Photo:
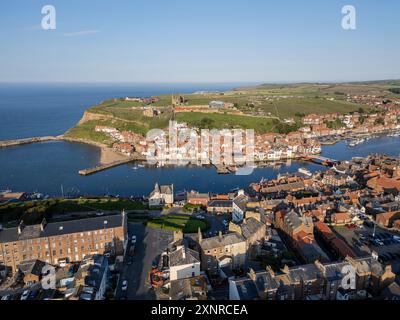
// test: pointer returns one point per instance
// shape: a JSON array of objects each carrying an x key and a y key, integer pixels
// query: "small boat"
[{"x": 305, "y": 171}]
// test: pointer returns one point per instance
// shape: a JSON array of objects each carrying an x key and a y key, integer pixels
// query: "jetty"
[
  {"x": 17, "y": 142},
  {"x": 320, "y": 160},
  {"x": 222, "y": 169},
  {"x": 89, "y": 171}
]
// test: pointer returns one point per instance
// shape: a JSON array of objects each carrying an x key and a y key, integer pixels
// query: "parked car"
[
  {"x": 6, "y": 297},
  {"x": 133, "y": 239},
  {"x": 25, "y": 295},
  {"x": 124, "y": 286},
  {"x": 368, "y": 224},
  {"x": 33, "y": 294}
]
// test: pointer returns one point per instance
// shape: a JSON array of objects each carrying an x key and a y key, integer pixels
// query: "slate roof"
[
  {"x": 251, "y": 227},
  {"x": 34, "y": 267},
  {"x": 220, "y": 203},
  {"x": 60, "y": 228},
  {"x": 247, "y": 289},
  {"x": 224, "y": 240},
  {"x": 183, "y": 256}
]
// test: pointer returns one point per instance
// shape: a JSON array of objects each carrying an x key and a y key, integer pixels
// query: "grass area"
[
  {"x": 111, "y": 204},
  {"x": 276, "y": 100},
  {"x": 86, "y": 131},
  {"x": 34, "y": 211},
  {"x": 289, "y": 107},
  {"x": 186, "y": 224},
  {"x": 191, "y": 207},
  {"x": 224, "y": 121}
]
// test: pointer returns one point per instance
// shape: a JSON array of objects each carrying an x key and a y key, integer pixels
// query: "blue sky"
[{"x": 199, "y": 41}]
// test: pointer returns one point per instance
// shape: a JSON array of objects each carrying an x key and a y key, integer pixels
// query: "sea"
[{"x": 51, "y": 168}]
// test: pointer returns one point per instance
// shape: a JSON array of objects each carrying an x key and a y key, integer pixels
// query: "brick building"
[{"x": 73, "y": 240}]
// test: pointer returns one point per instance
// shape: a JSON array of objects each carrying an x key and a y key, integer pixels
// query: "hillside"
[{"x": 263, "y": 108}]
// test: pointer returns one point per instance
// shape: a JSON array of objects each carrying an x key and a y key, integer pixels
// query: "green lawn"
[
  {"x": 186, "y": 224},
  {"x": 86, "y": 131},
  {"x": 225, "y": 121},
  {"x": 288, "y": 100},
  {"x": 34, "y": 211},
  {"x": 289, "y": 107}
]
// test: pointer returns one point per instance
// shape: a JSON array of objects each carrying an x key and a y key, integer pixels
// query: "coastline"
[{"x": 107, "y": 154}]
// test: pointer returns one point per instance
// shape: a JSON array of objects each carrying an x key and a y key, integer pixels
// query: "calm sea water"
[{"x": 37, "y": 110}]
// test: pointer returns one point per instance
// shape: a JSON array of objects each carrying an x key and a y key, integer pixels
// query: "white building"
[
  {"x": 161, "y": 195},
  {"x": 183, "y": 263}
]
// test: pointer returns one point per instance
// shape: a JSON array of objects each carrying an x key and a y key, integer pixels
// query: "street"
[{"x": 149, "y": 244}]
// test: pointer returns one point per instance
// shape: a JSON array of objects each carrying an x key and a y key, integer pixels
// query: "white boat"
[
  {"x": 305, "y": 171},
  {"x": 356, "y": 142}
]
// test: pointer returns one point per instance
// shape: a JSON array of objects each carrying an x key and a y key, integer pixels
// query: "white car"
[
  {"x": 133, "y": 239},
  {"x": 25, "y": 295},
  {"x": 6, "y": 297},
  {"x": 124, "y": 285}
]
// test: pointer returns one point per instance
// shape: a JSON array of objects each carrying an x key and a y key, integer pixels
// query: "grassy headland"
[{"x": 264, "y": 108}]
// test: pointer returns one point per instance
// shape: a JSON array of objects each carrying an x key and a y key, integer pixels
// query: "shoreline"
[
  {"x": 107, "y": 154},
  {"x": 110, "y": 158}
]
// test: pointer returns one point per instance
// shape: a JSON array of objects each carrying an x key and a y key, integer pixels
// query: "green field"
[
  {"x": 187, "y": 224},
  {"x": 226, "y": 121},
  {"x": 262, "y": 102},
  {"x": 34, "y": 211},
  {"x": 286, "y": 108}
]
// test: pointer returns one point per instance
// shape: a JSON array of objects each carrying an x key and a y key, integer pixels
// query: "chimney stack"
[{"x": 200, "y": 235}]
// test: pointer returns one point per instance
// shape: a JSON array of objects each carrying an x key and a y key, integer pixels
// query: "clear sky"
[{"x": 199, "y": 41}]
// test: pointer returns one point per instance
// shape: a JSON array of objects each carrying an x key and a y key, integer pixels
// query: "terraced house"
[{"x": 72, "y": 240}]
